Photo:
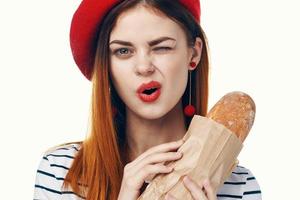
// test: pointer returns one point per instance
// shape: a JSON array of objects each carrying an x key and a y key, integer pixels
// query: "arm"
[{"x": 47, "y": 184}]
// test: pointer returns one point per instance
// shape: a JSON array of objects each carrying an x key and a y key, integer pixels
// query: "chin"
[{"x": 153, "y": 114}]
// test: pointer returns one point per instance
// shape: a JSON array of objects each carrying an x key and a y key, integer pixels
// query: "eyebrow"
[{"x": 151, "y": 43}]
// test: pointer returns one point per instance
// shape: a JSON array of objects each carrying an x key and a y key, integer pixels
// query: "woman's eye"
[
  {"x": 121, "y": 51},
  {"x": 163, "y": 48}
]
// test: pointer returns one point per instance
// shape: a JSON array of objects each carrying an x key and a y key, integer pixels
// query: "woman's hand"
[
  {"x": 196, "y": 190},
  {"x": 148, "y": 164}
]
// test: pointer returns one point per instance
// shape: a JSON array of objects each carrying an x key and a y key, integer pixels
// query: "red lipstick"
[{"x": 149, "y": 92}]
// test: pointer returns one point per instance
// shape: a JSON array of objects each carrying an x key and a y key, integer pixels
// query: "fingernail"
[{"x": 178, "y": 153}]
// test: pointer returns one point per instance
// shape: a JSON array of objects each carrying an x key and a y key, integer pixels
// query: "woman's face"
[{"x": 166, "y": 62}]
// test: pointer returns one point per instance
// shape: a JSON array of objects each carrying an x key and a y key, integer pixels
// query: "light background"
[{"x": 254, "y": 48}]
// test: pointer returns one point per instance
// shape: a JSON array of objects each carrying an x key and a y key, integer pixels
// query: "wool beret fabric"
[{"x": 85, "y": 24}]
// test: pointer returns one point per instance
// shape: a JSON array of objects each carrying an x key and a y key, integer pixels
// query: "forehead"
[{"x": 142, "y": 23}]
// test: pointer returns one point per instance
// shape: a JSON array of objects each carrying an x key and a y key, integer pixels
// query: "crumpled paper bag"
[{"x": 209, "y": 150}]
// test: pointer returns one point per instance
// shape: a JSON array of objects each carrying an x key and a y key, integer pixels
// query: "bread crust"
[{"x": 236, "y": 111}]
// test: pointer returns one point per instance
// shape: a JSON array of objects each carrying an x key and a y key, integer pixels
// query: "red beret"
[{"x": 85, "y": 21}]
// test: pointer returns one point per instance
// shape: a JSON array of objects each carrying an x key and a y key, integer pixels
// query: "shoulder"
[
  {"x": 52, "y": 169},
  {"x": 62, "y": 156},
  {"x": 64, "y": 146},
  {"x": 241, "y": 184}
]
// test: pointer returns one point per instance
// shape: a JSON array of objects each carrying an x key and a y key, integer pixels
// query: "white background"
[{"x": 254, "y": 48}]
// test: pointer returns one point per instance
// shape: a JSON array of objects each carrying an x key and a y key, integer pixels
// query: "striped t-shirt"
[{"x": 54, "y": 165}]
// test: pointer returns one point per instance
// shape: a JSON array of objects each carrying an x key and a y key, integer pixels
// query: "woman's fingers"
[
  {"x": 149, "y": 171},
  {"x": 151, "y": 160},
  {"x": 148, "y": 164},
  {"x": 195, "y": 190},
  {"x": 148, "y": 158},
  {"x": 209, "y": 190},
  {"x": 159, "y": 149},
  {"x": 159, "y": 158},
  {"x": 170, "y": 197},
  {"x": 136, "y": 180}
]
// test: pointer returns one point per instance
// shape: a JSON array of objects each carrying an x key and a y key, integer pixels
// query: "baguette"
[
  {"x": 211, "y": 146},
  {"x": 236, "y": 111}
]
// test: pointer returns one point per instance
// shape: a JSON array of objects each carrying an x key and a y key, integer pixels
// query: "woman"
[{"x": 148, "y": 63}]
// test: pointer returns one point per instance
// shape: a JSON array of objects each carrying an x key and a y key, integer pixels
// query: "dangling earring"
[{"x": 189, "y": 110}]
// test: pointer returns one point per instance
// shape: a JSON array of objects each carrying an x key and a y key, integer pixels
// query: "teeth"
[{"x": 150, "y": 89}]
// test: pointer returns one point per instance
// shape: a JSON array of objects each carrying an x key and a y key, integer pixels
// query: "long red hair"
[{"x": 97, "y": 170}]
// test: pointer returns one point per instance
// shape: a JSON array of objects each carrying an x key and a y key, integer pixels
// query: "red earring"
[
  {"x": 193, "y": 64},
  {"x": 190, "y": 110}
]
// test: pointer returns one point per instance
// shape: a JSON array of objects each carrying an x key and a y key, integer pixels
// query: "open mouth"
[
  {"x": 150, "y": 91},
  {"x": 150, "y": 95}
]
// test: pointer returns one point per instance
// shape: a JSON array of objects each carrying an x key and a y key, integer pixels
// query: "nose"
[{"x": 144, "y": 66}]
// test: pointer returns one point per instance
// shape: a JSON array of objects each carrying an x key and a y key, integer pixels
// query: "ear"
[{"x": 196, "y": 52}]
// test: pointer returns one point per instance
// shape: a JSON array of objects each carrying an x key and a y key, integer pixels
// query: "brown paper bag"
[{"x": 210, "y": 151}]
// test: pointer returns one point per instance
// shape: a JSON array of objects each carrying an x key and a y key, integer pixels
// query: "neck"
[{"x": 142, "y": 134}]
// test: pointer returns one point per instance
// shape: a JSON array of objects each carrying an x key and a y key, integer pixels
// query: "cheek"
[
  {"x": 119, "y": 72},
  {"x": 177, "y": 77}
]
